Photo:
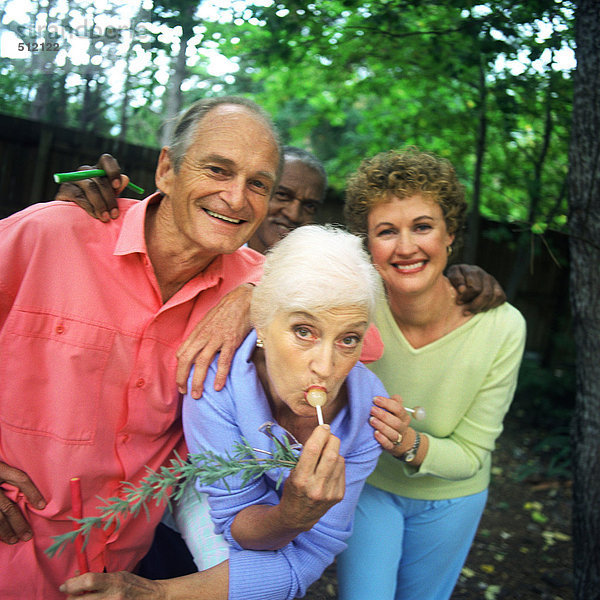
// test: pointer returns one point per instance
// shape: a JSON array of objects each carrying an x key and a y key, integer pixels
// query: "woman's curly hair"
[{"x": 404, "y": 174}]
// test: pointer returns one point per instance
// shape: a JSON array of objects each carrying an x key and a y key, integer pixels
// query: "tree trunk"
[
  {"x": 474, "y": 218},
  {"x": 177, "y": 77},
  {"x": 128, "y": 84},
  {"x": 44, "y": 67},
  {"x": 525, "y": 247},
  {"x": 584, "y": 224}
]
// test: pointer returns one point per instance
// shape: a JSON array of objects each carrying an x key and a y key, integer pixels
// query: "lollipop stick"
[
  {"x": 418, "y": 412},
  {"x": 320, "y": 415}
]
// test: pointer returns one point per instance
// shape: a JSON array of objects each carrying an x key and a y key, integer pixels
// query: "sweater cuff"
[{"x": 259, "y": 575}]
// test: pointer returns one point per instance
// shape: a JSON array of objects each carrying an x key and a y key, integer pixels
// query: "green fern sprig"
[{"x": 170, "y": 482}]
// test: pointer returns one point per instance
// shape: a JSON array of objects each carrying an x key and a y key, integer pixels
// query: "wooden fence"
[{"x": 30, "y": 152}]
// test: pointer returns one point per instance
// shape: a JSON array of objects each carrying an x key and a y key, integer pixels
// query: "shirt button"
[
  {"x": 140, "y": 382},
  {"x": 59, "y": 329}
]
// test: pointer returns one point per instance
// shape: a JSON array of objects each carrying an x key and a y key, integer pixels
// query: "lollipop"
[
  {"x": 418, "y": 412},
  {"x": 317, "y": 396}
]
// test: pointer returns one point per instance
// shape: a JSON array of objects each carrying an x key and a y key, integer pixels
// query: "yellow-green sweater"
[{"x": 465, "y": 381}]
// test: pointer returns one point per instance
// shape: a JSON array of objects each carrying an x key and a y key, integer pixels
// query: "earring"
[
  {"x": 449, "y": 250},
  {"x": 260, "y": 343}
]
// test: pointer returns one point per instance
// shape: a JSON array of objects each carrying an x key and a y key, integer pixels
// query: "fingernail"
[
  {"x": 116, "y": 183},
  {"x": 326, "y": 426},
  {"x": 26, "y": 536},
  {"x": 114, "y": 213},
  {"x": 104, "y": 217},
  {"x": 13, "y": 540},
  {"x": 41, "y": 504}
]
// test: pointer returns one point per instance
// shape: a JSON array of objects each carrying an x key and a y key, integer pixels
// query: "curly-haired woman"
[{"x": 418, "y": 513}]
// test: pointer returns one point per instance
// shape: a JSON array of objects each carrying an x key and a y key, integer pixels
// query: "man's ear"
[{"x": 163, "y": 176}]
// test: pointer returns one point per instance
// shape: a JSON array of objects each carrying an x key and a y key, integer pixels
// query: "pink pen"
[{"x": 77, "y": 509}]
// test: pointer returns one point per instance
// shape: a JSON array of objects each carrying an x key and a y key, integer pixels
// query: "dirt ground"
[{"x": 523, "y": 549}]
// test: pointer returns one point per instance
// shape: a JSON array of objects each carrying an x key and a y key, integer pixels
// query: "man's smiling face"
[
  {"x": 221, "y": 192},
  {"x": 295, "y": 202}
]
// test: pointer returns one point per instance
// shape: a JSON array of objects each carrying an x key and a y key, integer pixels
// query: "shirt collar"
[
  {"x": 132, "y": 235},
  {"x": 132, "y": 240}
]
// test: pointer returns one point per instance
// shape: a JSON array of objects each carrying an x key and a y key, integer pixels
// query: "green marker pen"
[{"x": 80, "y": 175}]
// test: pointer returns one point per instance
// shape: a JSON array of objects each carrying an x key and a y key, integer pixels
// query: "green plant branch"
[{"x": 169, "y": 483}]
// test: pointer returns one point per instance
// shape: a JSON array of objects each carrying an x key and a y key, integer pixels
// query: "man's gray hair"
[
  {"x": 315, "y": 267},
  {"x": 308, "y": 159},
  {"x": 188, "y": 120}
]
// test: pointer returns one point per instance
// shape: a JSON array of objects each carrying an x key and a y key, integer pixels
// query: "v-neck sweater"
[{"x": 465, "y": 380}]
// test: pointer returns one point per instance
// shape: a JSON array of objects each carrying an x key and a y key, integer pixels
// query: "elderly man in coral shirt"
[{"x": 91, "y": 317}]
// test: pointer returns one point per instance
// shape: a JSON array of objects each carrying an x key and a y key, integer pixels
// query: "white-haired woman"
[{"x": 310, "y": 311}]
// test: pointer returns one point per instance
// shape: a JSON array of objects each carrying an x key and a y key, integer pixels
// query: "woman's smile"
[{"x": 408, "y": 240}]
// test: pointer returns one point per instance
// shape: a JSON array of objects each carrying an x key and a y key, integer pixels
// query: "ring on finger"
[{"x": 399, "y": 440}]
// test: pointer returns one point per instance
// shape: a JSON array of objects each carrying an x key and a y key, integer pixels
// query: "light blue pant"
[{"x": 404, "y": 549}]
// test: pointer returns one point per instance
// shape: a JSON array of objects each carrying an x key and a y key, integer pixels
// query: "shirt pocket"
[{"x": 51, "y": 375}]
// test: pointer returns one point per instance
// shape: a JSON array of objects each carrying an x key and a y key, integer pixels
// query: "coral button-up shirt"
[{"x": 87, "y": 376}]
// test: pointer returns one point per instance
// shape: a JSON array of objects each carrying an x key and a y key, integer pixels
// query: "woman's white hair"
[{"x": 315, "y": 268}]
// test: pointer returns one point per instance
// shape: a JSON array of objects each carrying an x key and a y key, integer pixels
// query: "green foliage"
[
  {"x": 545, "y": 399},
  {"x": 346, "y": 79},
  {"x": 170, "y": 482},
  {"x": 545, "y": 396},
  {"x": 552, "y": 457},
  {"x": 15, "y": 83},
  {"x": 349, "y": 79}
]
